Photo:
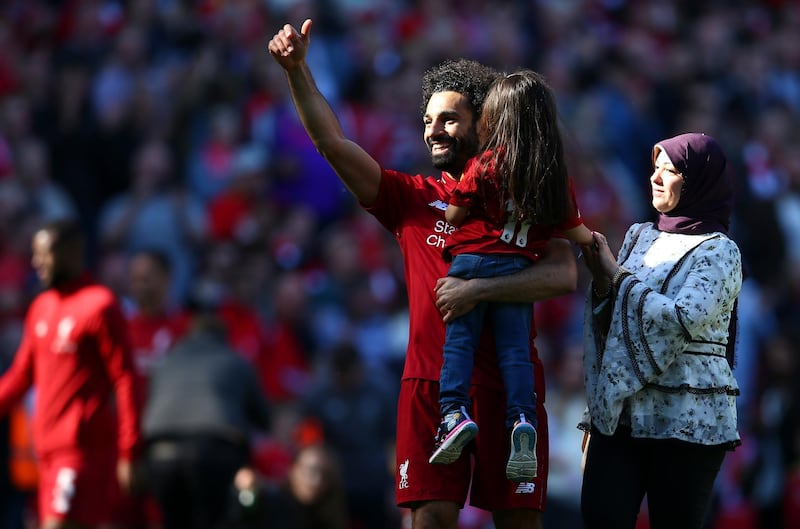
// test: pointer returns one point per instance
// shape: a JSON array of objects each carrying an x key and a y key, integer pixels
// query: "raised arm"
[
  {"x": 555, "y": 274},
  {"x": 357, "y": 169}
]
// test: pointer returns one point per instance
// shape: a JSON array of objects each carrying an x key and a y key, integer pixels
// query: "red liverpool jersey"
[
  {"x": 76, "y": 350},
  {"x": 412, "y": 207},
  {"x": 488, "y": 229}
]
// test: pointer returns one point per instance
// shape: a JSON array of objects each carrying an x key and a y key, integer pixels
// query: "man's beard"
[
  {"x": 446, "y": 161},
  {"x": 455, "y": 157},
  {"x": 58, "y": 279}
]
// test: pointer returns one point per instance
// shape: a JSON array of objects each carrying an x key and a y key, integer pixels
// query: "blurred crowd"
[{"x": 165, "y": 128}]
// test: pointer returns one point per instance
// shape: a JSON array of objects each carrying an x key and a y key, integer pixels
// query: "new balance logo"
[
  {"x": 525, "y": 488},
  {"x": 438, "y": 204}
]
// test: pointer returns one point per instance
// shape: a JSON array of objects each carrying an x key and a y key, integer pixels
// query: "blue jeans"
[{"x": 511, "y": 324}]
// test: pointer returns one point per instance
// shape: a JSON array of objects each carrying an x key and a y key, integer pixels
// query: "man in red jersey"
[
  {"x": 412, "y": 207},
  {"x": 75, "y": 350}
]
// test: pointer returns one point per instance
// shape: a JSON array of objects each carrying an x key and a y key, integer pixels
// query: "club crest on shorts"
[{"x": 403, "y": 484}]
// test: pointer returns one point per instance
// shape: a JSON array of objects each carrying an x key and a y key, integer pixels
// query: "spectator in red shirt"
[
  {"x": 240, "y": 212},
  {"x": 155, "y": 323},
  {"x": 75, "y": 349}
]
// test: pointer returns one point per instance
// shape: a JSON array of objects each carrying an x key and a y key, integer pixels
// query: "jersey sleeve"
[
  {"x": 395, "y": 188},
  {"x": 18, "y": 379},
  {"x": 115, "y": 350}
]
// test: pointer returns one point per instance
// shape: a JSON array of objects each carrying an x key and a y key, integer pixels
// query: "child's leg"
[
  {"x": 461, "y": 341},
  {"x": 512, "y": 340},
  {"x": 512, "y": 326},
  {"x": 457, "y": 429}
]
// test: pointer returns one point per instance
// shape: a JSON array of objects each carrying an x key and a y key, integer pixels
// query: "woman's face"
[
  {"x": 310, "y": 476},
  {"x": 666, "y": 183}
]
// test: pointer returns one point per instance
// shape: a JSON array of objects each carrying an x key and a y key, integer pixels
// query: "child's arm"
[
  {"x": 455, "y": 215},
  {"x": 580, "y": 234}
]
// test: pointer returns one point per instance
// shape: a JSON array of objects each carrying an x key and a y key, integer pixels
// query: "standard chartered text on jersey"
[{"x": 441, "y": 229}]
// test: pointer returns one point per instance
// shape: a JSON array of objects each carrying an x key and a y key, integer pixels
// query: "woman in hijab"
[{"x": 658, "y": 348}]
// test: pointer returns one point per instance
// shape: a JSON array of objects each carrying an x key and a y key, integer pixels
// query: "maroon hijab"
[{"x": 707, "y": 196}]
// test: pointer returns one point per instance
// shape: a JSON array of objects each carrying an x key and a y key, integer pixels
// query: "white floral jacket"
[{"x": 661, "y": 367}]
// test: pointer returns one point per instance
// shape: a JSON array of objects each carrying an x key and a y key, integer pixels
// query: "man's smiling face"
[{"x": 450, "y": 132}]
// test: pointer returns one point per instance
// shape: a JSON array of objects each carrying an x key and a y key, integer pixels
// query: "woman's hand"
[
  {"x": 601, "y": 262},
  {"x": 606, "y": 259},
  {"x": 596, "y": 257}
]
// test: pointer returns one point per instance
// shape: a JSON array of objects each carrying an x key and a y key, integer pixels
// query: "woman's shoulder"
[
  {"x": 716, "y": 254},
  {"x": 725, "y": 249},
  {"x": 638, "y": 227},
  {"x": 635, "y": 231},
  {"x": 719, "y": 242}
]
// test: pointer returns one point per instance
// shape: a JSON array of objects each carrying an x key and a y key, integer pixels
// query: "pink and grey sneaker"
[
  {"x": 455, "y": 431},
  {"x": 522, "y": 461}
]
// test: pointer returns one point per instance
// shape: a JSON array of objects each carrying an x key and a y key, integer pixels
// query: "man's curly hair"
[{"x": 467, "y": 77}]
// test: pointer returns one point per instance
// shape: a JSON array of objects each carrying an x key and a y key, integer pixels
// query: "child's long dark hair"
[{"x": 519, "y": 124}]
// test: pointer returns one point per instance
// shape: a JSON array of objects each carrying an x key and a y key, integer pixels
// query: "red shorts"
[
  {"x": 77, "y": 487},
  {"x": 417, "y": 480}
]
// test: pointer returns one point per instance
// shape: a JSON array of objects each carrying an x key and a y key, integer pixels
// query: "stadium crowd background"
[{"x": 165, "y": 125}]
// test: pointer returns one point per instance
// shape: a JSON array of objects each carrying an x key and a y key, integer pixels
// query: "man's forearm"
[
  {"x": 355, "y": 167},
  {"x": 315, "y": 113},
  {"x": 554, "y": 275}
]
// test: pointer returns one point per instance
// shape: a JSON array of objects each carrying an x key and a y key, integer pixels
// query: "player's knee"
[
  {"x": 435, "y": 515},
  {"x": 55, "y": 523},
  {"x": 517, "y": 519}
]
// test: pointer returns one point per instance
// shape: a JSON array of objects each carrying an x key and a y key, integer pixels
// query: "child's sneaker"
[
  {"x": 455, "y": 431},
  {"x": 522, "y": 460}
]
